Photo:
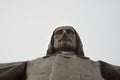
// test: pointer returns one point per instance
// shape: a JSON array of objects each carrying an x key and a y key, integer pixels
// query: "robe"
[
  {"x": 13, "y": 71},
  {"x": 64, "y": 66}
]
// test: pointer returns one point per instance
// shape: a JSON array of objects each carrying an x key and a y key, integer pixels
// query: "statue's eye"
[
  {"x": 58, "y": 32},
  {"x": 69, "y": 31}
]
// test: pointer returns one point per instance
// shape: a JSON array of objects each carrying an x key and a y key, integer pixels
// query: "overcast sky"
[{"x": 26, "y": 27}]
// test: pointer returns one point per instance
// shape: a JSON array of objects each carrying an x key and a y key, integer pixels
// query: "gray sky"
[{"x": 27, "y": 25}]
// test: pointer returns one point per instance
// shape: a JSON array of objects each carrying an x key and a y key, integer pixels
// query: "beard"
[{"x": 64, "y": 46}]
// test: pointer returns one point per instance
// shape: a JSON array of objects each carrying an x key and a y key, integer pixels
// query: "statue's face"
[{"x": 64, "y": 39}]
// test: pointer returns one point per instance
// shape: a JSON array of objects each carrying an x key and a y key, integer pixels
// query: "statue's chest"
[{"x": 64, "y": 67}]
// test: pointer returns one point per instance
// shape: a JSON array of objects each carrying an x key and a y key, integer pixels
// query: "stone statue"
[
  {"x": 65, "y": 60},
  {"x": 65, "y": 38}
]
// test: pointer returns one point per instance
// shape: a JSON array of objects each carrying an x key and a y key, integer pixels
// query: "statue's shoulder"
[{"x": 39, "y": 61}]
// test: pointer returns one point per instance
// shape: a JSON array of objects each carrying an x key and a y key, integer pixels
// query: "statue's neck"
[
  {"x": 69, "y": 53},
  {"x": 65, "y": 52}
]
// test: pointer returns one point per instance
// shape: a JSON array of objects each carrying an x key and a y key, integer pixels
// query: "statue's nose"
[{"x": 64, "y": 33}]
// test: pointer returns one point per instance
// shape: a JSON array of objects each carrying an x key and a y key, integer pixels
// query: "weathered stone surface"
[
  {"x": 13, "y": 71},
  {"x": 66, "y": 66}
]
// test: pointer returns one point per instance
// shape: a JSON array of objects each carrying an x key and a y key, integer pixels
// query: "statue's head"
[{"x": 65, "y": 38}]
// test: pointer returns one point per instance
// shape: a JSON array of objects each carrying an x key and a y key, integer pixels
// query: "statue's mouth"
[{"x": 64, "y": 39}]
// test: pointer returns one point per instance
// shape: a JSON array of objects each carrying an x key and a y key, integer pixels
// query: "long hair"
[{"x": 78, "y": 50}]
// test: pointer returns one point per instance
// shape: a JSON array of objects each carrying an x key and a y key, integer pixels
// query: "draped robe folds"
[
  {"x": 13, "y": 71},
  {"x": 63, "y": 66}
]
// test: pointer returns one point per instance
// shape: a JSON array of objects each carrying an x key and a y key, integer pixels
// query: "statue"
[
  {"x": 65, "y": 38},
  {"x": 65, "y": 60}
]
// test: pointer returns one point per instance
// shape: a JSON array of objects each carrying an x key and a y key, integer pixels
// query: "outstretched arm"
[
  {"x": 13, "y": 71},
  {"x": 109, "y": 72}
]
